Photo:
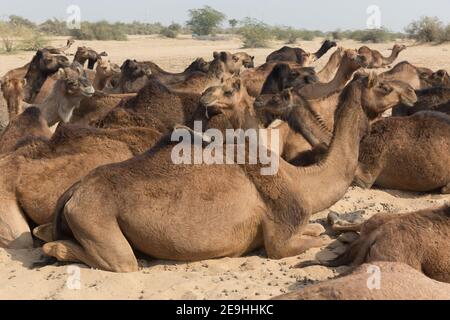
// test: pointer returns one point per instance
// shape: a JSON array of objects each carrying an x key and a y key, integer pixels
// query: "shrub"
[
  {"x": 256, "y": 34},
  {"x": 205, "y": 21},
  {"x": 427, "y": 29},
  {"x": 372, "y": 35},
  {"x": 99, "y": 31},
  {"x": 171, "y": 31},
  {"x": 7, "y": 34},
  {"x": 32, "y": 40}
]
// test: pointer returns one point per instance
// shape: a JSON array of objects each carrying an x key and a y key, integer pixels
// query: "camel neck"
[
  {"x": 332, "y": 65},
  {"x": 100, "y": 82},
  {"x": 339, "y": 165},
  {"x": 392, "y": 57},
  {"x": 245, "y": 118}
]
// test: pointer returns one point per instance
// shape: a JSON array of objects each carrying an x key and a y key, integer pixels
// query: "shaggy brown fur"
[
  {"x": 419, "y": 239},
  {"x": 84, "y": 54},
  {"x": 28, "y": 125},
  {"x": 398, "y": 282}
]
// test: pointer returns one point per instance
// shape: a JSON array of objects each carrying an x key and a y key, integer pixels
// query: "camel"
[
  {"x": 28, "y": 125},
  {"x": 283, "y": 77},
  {"x": 418, "y": 78},
  {"x": 433, "y": 99},
  {"x": 43, "y": 65},
  {"x": 376, "y": 60},
  {"x": 133, "y": 77},
  {"x": 84, "y": 54},
  {"x": 418, "y": 239},
  {"x": 398, "y": 282},
  {"x": 109, "y": 209},
  {"x": 61, "y": 50},
  {"x": 67, "y": 93},
  {"x": 300, "y": 56},
  {"x": 323, "y": 97},
  {"x": 328, "y": 71},
  {"x": 18, "y": 73},
  {"x": 36, "y": 174},
  {"x": 221, "y": 68},
  {"x": 105, "y": 71},
  {"x": 407, "y": 153},
  {"x": 13, "y": 92}
]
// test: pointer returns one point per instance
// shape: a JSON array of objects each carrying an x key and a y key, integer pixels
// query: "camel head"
[
  {"x": 380, "y": 95},
  {"x": 439, "y": 78},
  {"x": 76, "y": 83},
  {"x": 225, "y": 65},
  {"x": 132, "y": 70},
  {"x": 276, "y": 105},
  {"x": 225, "y": 98},
  {"x": 354, "y": 60},
  {"x": 244, "y": 59},
  {"x": 398, "y": 48},
  {"x": 107, "y": 69},
  {"x": 199, "y": 64}
]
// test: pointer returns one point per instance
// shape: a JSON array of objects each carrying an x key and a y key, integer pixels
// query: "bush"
[
  {"x": 99, "y": 31},
  {"x": 171, "y": 31},
  {"x": 32, "y": 40},
  {"x": 256, "y": 34},
  {"x": 427, "y": 29},
  {"x": 372, "y": 35},
  {"x": 205, "y": 21},
  {"x": 7, "y": 34}
]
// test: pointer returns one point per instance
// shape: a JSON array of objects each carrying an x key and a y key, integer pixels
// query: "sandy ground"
[{"x": 250, "y": 277}]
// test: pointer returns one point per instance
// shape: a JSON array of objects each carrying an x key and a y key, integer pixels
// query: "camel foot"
[
  {"x": 61, "y": 250},
  {"x": 314, "y": 230},
  {"x": 446, "y": 189},
  {"x": 44, "y": 232},
  {"x": 351, "y": 222}
]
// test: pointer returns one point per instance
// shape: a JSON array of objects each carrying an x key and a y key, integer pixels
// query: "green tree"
[
  {"x": 204, "y": 21},
  {"x": 233, "y": 24},
  {"x": 427, "y": 29},
  {"x": 256, "y": 34}
]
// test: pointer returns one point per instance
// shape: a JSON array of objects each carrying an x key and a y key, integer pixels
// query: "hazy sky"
[{"x": 317, "y": 14}]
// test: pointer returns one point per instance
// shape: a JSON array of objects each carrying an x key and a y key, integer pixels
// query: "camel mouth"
[
  {"x": 88, "y": 92},
  {"x": 409, "y": 101}
]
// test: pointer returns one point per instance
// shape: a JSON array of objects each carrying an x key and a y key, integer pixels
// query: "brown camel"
[
  {"x": 274, "y": 213},
  {"x": 418, "y": 78},
  {"x": 43, "y": 65},
  {"x": 104, "y": 72},
  {"x": 298, "y": 55},
  {"x": 28, "y": 125},
  {"x": 36, "y": 174},
  {"x": 418, "y": 239},
  {"x": 18, "y": 73},
  {"x": 326, "y": 74},
  {"x": 13, "y": 92},
  {"x": 407, "y": 153},
  {"x": 433, "y": 99},
  {"x": 66, "y": 95},
  {"x": 84, "y": 54},
  {"x": 224, "y": 66},
  {"x": 376, "y": 60},
  {"x": 323, "y": 98},
  {"x": 397, "y": 281}
]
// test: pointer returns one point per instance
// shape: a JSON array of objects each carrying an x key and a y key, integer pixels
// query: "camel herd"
[{"x": 87, "y": 173}]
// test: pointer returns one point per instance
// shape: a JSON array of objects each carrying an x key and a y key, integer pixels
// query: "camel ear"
[
  {"x": 215, "y": 55},
  {"x": 252, "y": 57},
  {"x": 62, "y": 74},
  {"x": 24, "y": 82},
  {"x": 235, "y": 58},
  {"x": 372, "y": 80},
  {"x": 103, "y": 54},
  {"x": 237, "y": 84}
]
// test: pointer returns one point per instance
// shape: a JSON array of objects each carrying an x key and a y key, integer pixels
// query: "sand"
[{"x": 250, "y": 277}]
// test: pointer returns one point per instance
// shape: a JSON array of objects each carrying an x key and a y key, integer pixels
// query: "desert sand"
[{"x": 250, "y": 277}]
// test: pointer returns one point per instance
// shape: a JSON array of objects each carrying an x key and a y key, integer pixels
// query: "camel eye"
[{"x": 228, "y": 93}]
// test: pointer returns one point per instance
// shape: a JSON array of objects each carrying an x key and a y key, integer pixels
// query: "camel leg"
[
  {"x": 15, "y": 232},
  {"x": 44, "y": 232},
  {"x": 366, "y": 176},
  {"x": 280, "y": 242},
  {"x": 313, "y": 230},
  {"x": 102, "y": 244},
  {"x": 446, "y": 189}
]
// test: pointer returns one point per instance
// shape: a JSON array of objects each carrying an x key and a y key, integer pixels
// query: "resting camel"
[
  {"x": 28, "y": 125},
  {"x": 104, "y": 73},
  {"x": 109, "y": 210},
  {"x": 407, "y": 153},
  {"x": 13, "y": 92},
  {"x": 418, "y": 78},
  {"x": 433, "y": 99},
  {"x": 66, "y": 95},
  {"x": 43, "y": 65},
  {"x": 36, "y": 174},
  {"x": 418, "y": 239},
  {"x": 298, "y": 55},
  {"x": 398, "y": 282},
  {"x": 376, "y": 60}
]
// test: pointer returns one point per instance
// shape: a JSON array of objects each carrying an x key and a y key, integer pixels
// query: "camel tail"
[{"x": 60, "y": 227}]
